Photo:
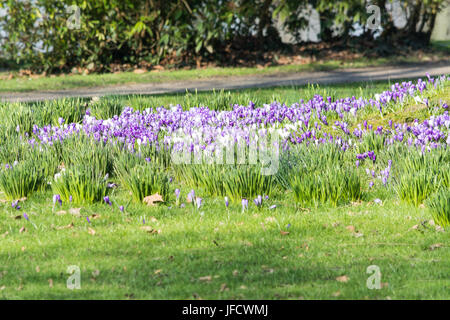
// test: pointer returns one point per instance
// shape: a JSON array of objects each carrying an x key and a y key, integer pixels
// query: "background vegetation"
[{"x": 36, "y": 34}]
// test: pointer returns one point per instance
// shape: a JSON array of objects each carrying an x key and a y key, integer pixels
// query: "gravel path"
[{"x": 287, "y": 79}]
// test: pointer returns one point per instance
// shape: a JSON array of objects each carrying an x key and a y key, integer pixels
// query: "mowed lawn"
[
  {"x": 218, "y": 254},
  {"x": 214, "y": 252}
]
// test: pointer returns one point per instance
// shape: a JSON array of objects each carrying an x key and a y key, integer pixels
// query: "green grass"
[
  {"x": 215, "y": 253},
  {"x": 25, "y": 84},
  {"x": 244, "y": 252},
  {"x": 224, "y": 99}
]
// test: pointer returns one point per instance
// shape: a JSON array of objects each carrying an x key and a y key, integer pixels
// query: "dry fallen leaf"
[
  {"x": 343, "y": 278},
  {"x": 150, "y": 230},
  {"x": 336, "y": 294},
  {"x": 91, "y": 231},
  {"x": 69, "y": 226},
  {"x": 223, "y": 287},
  {"x": 50, "y": 283},
  {"x": 61, "y": 213},
  {"x": 23, "y": 229},
  {"x": 158, "y": 271},
  {"x": 75, "y": 211},
  {"x": 38, "y": 269},
  {"x": 235, "y": 273},
  {"x": 284, "y": 233},
  {"x": 153, "y": 199},
  {"x": 435, "y": 246},
  {"x": 205, "y": 278},
  {"x": 350, "y": 228}
]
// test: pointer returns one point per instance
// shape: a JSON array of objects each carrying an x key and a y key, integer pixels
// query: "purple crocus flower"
[
  {"x": 258, "y": 201},
  {"x": 177, "y": 193},
  {"x": 57, "y": 198},
  {"x": 70, "y": 199},
  {"x": 148, "y": 159},
  {"x": 15, "y": 204},
  {"x": 273, "y": 207},
  {"x": 87, "y": 219},
  {"x": 198, "y": 201},
  {"x": 244, "y": 204},
  {"x": 191, "y": 196},
  {"x": 107, "y": 201},
  {"x": 226, "y": 202},
  {"x": 121, "y": 208},
  {"x": 25, "y": 216}
]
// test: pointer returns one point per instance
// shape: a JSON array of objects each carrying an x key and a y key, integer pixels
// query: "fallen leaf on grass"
[
  {"x": 439, "y": 229},
  {"x": 343, "y": 278},
  {"x": 435, "y": 246},
  {"x": 38, "y": 269},
  {"x": 50, "y": 283},
  {"x": 150, "y": 230},
  {"x": 284, "y": 233},
  {"x": 91, "y": 231},
  {"x": 235, "y": 273},
  {"x": 153, "y": 199},
  {"x": 158, "y": 271},
  {"x": 267, "y": 269},
  {"x": 23, "y": 248},
  {"x": 75, "y": 211},
  {"x": 2, "y": 288},
  {"x": 23, "y": 229},
  {"x": 336, "y": 294},
  {"x": 61, "y": 213},
  {"x": 350, "y": 228},
  {"x": 358, "y": 234},
  {"x": 223, "y": 287},
  {"x": 69, "y": 226},
  {"x": 205, "y": 278}
]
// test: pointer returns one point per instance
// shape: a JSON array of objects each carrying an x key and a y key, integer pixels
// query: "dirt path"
[{"x": 287, "y": 79}]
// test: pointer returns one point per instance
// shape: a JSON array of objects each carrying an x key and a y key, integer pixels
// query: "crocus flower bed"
[{"x": 139, "y": 147}]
